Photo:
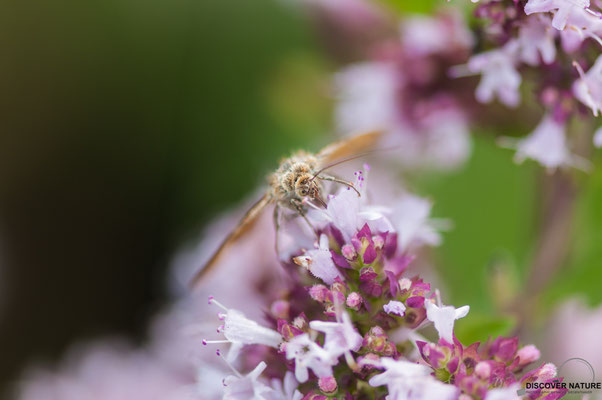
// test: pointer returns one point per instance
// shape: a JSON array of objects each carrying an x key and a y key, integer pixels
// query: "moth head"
[{"x": 305, "y": 186}]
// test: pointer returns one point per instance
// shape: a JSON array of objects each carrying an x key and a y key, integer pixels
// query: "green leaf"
[{"x": 480, "y": 327}]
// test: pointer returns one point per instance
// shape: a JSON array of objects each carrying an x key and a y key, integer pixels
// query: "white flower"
[
  {"x": 395, "y": 307},
  {"x": 499, "y": 75},
  {"x": 340, "y": 337},
  {"x": 412, "y": 223},
  {"x": 537, "y": 38},
  {"x": 565, "y": 10},
  {"x": 308, "y": 355},
  {"x": 547, "y": 145},
  {"x": 285, "y": 389},
  {"x": 588, "y": 89},
  {"x": 444, "y": 318},
  {"x": 409, "y": 381},
  {"x": 319, "y": 262},
  {"x": 508, "y": 393},
  {"x": 239, "y": 331},
  {"x": 246, "y": 387}
]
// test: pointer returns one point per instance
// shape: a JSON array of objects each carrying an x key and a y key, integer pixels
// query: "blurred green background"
[{"x": 126, "y": 125}]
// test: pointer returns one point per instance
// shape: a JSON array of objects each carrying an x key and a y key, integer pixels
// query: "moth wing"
[
  {"x": 243, "y": 227},
  {"x": 354, "y": 145}
]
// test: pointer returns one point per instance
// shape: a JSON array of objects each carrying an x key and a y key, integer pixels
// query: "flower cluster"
[
  {"x": 418, "y": 83},
  {"x": 404, "y": 88},
  {"x": 353, "y": 321},
  {"x": 550, "y": 43}
]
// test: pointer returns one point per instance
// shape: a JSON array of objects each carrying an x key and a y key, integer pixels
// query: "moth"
[{"x": 297, "y": 180}]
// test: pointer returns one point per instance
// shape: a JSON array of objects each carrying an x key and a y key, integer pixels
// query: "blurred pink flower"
[
  {"x": 239, "y": 387},
  {"x": 107, "y": 371},
  {"x": 400, "y": 90},
  {"x": 588, "y": 89},
  {"x": 536, "y": 39},
  {"x": 546, "y": 145},
  {"x": 499, "y": 77},
  {"x": 572, "y": 331},
  {"x": 423, "y": 35},
  {"x": 509, "y": 393},
  {"x": 565, "y": 10},
  {"x": 411, "y": 218},
  {"x": 351, "y": 14}
]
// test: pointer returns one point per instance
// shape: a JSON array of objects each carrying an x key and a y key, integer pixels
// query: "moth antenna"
[{"x": 344, "y": 160}]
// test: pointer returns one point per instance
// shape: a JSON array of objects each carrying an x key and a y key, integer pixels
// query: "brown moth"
[{"x": 297, "y": 180}]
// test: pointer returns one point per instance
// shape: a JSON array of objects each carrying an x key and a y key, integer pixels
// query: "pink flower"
[
  {"x": 395, "y": 307},
  {"x": 423, "y": 36},
  {"x": 308, "y": 355},
  {"x": 571, "y": 332},
  {"x": 581, "y": 26},
  {"x": 319, "y": 261},
  {"x": 499, "y": 75},
  {"x": 411, "y": 219},
  {"x": 547, "y": 145},
  {"x": 350, "y": 14},
  {"x": 565, "y": 10},
  {"x": 395, "y": 93},
  {"x": 108, "y": 372},
  {"x": 238, "y": 387},
  {"x": 588, "y": 89},
  {"x": 240, "y": 331},
  {"x": 409, "y": 381},
  {"x": 286, "y": 389},
  {"x": 340, "y": 337},
  {"x": 509, "y": 393},
  {"x": 367, "y": 96},
  {"x": 536, "y": 39}
]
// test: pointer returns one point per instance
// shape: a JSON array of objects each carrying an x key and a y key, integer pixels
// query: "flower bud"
[
  {"x": 547, "y": 372},
  {"x": 405, "y": 284},
  {"x": 354, "y": 301},
  {"x": 379, "y": 242},
  {"x": 377, "y": 341},
  {"x": 319, "y": 293},
  {"x": 527, "y": 355},
  {"x": 349, "y": 252},
  {"x": 483, "y": 370},
  {"x": 328, "y": 384},
  {"x": 280, "y": 309}
]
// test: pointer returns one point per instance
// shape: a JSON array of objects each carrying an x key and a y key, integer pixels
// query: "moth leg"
[
  {"x": 299, "y": 207},
  {"x": 338, "y": 180},
  {"x": 277, "y": 227}
]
